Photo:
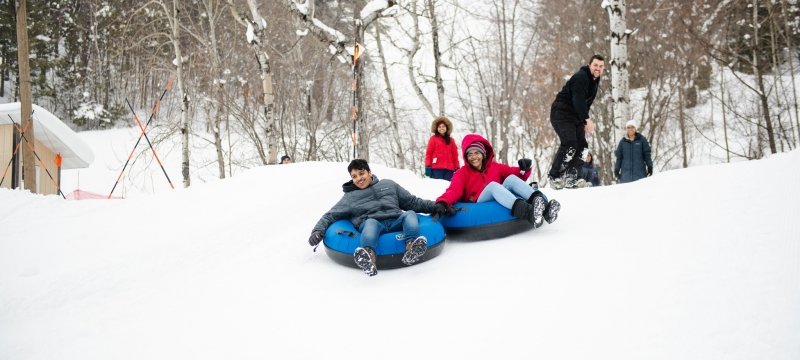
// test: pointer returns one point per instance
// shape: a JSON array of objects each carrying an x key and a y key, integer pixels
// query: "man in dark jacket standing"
[
  {"x": 633, "y": 156},
  {"x": 569, "y": 116}
]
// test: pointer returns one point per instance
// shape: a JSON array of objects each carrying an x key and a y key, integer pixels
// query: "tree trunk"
[
  {"x": 789, "y": 35},
  {"x": 216, "y": 63},
  {"x": 437, "y": 56},
  {"x": 26, "y": 108},
  {"x": 260, "y": 48},
  {"x": 682, "y": 125},
  {"x": 217, "y": 134},
  {"x": 176, "y": 45},
  {"x": 760, "y": 83},
  {"x": 724, "y": 113},
  {"x": 312, "y": 139},
  {"x": 620, "y": 97},
  {"x": 411, "y": 53},
  {"x": 360, "y": 138},
  {"x": 393, "y": 120}
]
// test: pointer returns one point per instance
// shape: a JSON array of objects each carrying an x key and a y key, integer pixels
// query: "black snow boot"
[
  {"x": 538, "y": 207},
  {"x": 520, "y": 209},
  {"x": 414, "y": 250},
  {"x": 551, "y": 211},
  {"x": 523, "y": 210},
  {"x": 571, "y": 178},
  {"x": 365, "y": 259}
]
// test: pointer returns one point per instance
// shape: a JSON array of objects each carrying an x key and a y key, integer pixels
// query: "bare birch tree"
[
  {"x": 337, "y": 40},
  {"x": 437, "y": 55},
  {"x": 257, "y": 38},
  {"x": 399, "y": 154},
  {"x": 619, "y": 60}
]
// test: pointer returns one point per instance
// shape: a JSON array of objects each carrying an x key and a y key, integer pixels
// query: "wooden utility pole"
[{"x": 28, "y": 162}]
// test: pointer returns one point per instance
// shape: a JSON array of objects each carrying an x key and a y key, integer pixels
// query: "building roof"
[{"x": 50, "y": 131}]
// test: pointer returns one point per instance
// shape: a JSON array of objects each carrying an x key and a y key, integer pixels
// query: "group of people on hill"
[
  {"x": 569, "y": 116},
  {"x": 378, "y": 206}
]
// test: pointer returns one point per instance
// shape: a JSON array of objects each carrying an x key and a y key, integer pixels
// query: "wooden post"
[{"x": 26, "y": 108}]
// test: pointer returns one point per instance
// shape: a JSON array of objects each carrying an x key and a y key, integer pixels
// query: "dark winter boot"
[
  {"x": 365, "y": 259},
  {"x": 556, "y": 183},
  {"x": 414, "y": 250},
  {"x": 523, "y": 210},
  {"x": 571, "y": 178},
  {"x": 581, "y": 183},
  {"x": 520, "y": 209},
  {"x": 551, "y": 211},
  {"x": 538, "y": 204}
]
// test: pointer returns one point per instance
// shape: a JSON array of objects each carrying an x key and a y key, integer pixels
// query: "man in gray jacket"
[{"x": 377, "y": 207}]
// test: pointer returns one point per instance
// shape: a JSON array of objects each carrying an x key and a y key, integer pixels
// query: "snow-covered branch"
[{"x": 337, "y": 41}]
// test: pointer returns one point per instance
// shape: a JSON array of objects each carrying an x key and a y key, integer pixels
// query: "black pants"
[{"x": 573, "y": 142}]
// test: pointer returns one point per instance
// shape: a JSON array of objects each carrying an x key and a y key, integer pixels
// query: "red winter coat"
[
  {"x": 441, "y": 155},
  {"x": 467, "y": 183}
]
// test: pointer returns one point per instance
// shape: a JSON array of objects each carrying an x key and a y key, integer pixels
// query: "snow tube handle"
[{"x": 346, "y": 232}]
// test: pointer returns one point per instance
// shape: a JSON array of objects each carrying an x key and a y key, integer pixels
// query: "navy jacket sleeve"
[
  {"x": 618, "y": 156},
  {"x": 646, "y": 153}
]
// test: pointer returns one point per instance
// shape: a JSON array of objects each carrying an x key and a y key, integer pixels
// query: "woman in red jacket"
[
  {"x": 441, "y": 156},
  {"x": 482, "y": 179}
]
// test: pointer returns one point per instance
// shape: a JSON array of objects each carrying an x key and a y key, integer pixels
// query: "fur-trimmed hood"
[{"x": 446, "y": 121}]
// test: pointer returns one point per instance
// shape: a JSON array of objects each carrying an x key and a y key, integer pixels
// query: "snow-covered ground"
[{"x": 701, "y": 263}]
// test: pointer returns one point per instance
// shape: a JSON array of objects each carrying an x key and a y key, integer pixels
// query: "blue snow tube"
[
  {"x": 482, "y": 221},
  {"x": 342, "y": 239}
]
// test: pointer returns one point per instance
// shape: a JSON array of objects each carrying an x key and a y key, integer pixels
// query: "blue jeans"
[
  {"x": 512, "y": 189},
  {"x": 372, "y": 229}
]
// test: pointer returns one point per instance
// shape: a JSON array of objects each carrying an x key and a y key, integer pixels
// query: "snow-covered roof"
[{"x": 50, "y": 131}]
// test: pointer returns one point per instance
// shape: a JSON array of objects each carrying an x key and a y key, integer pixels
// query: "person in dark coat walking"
[
  {"x": 590, "y": 171},
  {"x": 633, "y": 156},
  {"x": 441, "y": 156},
  {"x": 569, "y": 116},
  {"x": 377, "y": 207}
]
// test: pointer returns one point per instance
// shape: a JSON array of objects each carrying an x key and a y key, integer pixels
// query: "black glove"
[
  {"x": 428, "y": 171},
  {"x": 443, "y": 209},
  {"x": 649, "y": 171},
  {"x": 525, "y": 164},
  {"x": 315, "y": 238}
]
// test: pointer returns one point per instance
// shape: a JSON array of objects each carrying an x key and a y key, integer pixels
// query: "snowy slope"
[{"x": 702, "y": 263}]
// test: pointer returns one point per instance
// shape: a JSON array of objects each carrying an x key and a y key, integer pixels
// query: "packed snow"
[{"x": 700, "y": 263}]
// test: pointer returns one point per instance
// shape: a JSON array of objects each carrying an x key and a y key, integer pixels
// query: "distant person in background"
[
  {"x": 569, "y": 116},
  {"x": 285, "y": 159},
  {"x": 589, "y": 171},
  {"x": 482, "y": 179},
  {"x": 441, "y": 156},
  {"x": 633, "y": 156}
]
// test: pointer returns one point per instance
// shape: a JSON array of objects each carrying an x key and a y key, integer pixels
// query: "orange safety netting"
[{"x": 88, "y": 195}]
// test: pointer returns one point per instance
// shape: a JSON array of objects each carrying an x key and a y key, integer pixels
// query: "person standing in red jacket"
[
  {"x": 482, "y": 179},
  {"x": 441, "y": 156}
]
